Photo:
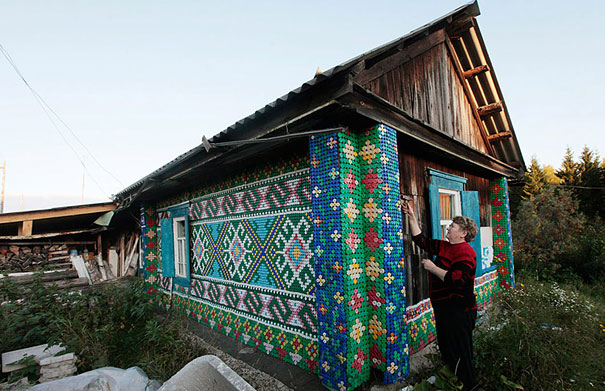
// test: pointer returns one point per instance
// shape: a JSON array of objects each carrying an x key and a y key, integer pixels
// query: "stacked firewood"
[{"x": 15, "y": 258}]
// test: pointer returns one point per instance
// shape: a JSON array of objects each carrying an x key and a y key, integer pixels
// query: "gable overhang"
[
  {"x": 472, "y": 62},
  {"x": 379, "y": 110}
]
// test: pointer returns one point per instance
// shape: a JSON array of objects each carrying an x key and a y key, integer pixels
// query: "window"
[
  {"x": 180, "y": 247},
  {"x": 174, "y": 232},
  {"x": 447, "y": 199},
  {"x": 449, "y": 207}
]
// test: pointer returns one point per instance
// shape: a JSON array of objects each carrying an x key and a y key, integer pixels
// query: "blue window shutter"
[
  {"x": 167, "y": 248},
  {"x": 470, "y": 208},
  {"x": 435, "y": 212}
]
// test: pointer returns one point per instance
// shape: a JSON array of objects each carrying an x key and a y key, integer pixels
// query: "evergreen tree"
[
  {"x": 590, "y": 181},
  {"x": 535, "y": 180},
  {"x": 568, "y": 173},
  {"x": 551, "y": 177}
]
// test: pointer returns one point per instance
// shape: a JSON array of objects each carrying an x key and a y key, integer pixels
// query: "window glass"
[
  {"x": 181, "y": 229},
  {"x": 180, "y": 255},
  {"x": 449, "y": 207},
  {"x": 445, "y": 206}
]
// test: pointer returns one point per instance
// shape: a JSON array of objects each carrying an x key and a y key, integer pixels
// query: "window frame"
[
  {"x": 469, "y": 200},
  {"x": 457, "y": 208},
  {"x": 180, "y": 257}
]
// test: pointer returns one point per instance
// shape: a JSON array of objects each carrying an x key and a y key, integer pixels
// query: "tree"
[
  {"x": 590, "y": 183},
  {"x": 568, "y": 173},
  {"x": 545, "y": 227},
  {"x": 535, "y": 180},
  {"x": 551, "y": 177}
]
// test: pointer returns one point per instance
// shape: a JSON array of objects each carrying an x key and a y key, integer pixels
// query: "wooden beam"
[
  {"x": 475, "y": 71},
  {"x": 490, "y": 109},
  {"x": 459, "y": 28},
  {"x": 469, "y": 95},
  {"x": 48, "y": 235},
  {"x": 380, "y": 110},
  {"x": 499, "y": 136},
  {"x": 25, "y": 228},
  {"x": 57, "y": 212}
]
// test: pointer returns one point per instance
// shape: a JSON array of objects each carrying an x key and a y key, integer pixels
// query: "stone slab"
[
  {"x": 39, "y": 352},
  {"x": 58, "y": 359}
]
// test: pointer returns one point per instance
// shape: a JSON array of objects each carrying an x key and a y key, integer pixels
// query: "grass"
[
  {"x": 544, "y": 336},
  {"x": 539, "y": 336},
  {"x": 110, "y": 325}
]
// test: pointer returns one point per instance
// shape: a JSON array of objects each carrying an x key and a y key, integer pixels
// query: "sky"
[{"x": 138, "y": 83}]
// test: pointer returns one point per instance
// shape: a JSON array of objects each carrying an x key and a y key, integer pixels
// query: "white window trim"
[
  {"x": 178, "y": 256},
  {"x": 457, "y": 207}
]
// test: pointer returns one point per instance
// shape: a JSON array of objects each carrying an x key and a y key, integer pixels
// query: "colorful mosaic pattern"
[
  {"x": 251, "y": 261},
  {"x": 358, "y": 253},
  {"x": 502, "y": 233},
  {"x": 292, "y": 312},
  {"x": 299, "y": 161},
  {"x": 486, "y": 287},
  {"x": 278, "y": 195},
  {"x": 421, "y": 320},
  {"x": 278, "y": 342},
  {"x": 272, "y": 251},
  {"x": 421, "y": 325},
  {"x": 150, "y": 223}
]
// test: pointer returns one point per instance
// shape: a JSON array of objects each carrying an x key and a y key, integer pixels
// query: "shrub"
[
  {"x": 542, "y": 337},
  {"x": 587, "y": 257},
  {"x": 109, "y": 325},
  {"x": 545, "y": 227}
]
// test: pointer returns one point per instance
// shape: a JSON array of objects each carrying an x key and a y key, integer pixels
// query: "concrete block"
[
  {"x": 58, "y": 359},
  {"x": 54, "y": 372},
  {"x": 39, "y": 352},
  {"x": 58, "y": 373},
  {"x": 206, "y": 373},
  {"x": 63, "y": 364}
]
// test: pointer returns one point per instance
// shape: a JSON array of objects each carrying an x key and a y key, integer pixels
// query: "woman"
[{"x": 451, "y": 290}]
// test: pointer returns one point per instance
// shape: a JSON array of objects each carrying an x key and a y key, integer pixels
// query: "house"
[
  {"x": 48, "y": 239},
  {"x": 284, "y": 231}
]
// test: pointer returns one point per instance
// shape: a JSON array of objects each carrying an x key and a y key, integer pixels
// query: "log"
[
  {"x": 49, "y": 276},
  {"x": 475, "y": 71},
  {"x": 499, "y": 136},
  {"x": 490, "y": 109},
  {"x": 71, "y": 283}
]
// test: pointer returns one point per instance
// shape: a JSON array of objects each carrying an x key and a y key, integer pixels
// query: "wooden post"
[
  {"x": 121, "y": 256},
  {"x": 100, "y": 258},
  {"x": 3, "y": 180},
  {"x": 25, "y": 228}
]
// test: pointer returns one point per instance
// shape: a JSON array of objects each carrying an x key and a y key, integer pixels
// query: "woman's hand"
[
  {"x": 434, "y": 269},
  {"x": 428, "y": 265},
  {"x": 407, "y": 209}
]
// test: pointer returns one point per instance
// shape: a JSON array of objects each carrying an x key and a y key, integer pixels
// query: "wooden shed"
[{"x": 284, "y": 231}]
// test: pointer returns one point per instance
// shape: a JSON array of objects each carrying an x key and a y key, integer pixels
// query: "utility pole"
[{"x": 3, "y": 179}]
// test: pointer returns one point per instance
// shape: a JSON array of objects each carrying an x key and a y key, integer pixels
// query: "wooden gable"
[{"x": 423, "y": 80}]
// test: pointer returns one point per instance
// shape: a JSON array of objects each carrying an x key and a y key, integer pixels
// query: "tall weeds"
[{"x": 110, "y": 325}]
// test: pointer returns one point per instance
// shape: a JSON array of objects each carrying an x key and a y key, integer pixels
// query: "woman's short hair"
[{"x": 468, "y": 225}]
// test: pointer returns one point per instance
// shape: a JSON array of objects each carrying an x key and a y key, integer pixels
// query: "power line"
[
  {"x": 48, "y": 110},
  {"x": 519, "y": 183},
  {"x": 583, "y": 187}
]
